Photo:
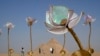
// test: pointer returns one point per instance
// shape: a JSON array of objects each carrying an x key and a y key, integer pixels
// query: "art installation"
[{"x": 59, "y": 21}]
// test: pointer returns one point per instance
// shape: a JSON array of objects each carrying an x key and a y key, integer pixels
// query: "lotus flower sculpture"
[
  {"x": 60, "y": 20},
  {"x": 88, "y": 20},
  {"x": 30, "y": 21},
  {"x": 60, "y": 17},
  {"x": 9, "y": 26}
]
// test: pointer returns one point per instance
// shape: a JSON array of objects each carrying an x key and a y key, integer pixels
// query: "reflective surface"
[
  {"x": 30, "y": 53},
  {"x": 62, "y": 52},
  {"x": 91, "y": 50},
  {"x": 59, "y": 13},
  {"x": 11, "y": 51},
  {"x": 81, "y": 53}
]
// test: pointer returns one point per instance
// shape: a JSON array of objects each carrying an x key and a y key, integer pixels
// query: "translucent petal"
[
  {"x": 93, "y": 20},
  {"x": 49, "y": 20},
  {"x": 70, "y": 13},
  {"x": 51, "y": 26},
  {"x": 89, "y": 19},
  {"x": 75, "y": 20},
  {"x": 9, "y": 25},
  {"x": 47, "y": 17},
  {"x": 59, "y": 13},
  {"x": 73, "y": 16},
  {"x": 58, "y": 30}
]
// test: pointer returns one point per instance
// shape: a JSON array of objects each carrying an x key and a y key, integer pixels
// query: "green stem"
[{"x": 75, "y": 37}]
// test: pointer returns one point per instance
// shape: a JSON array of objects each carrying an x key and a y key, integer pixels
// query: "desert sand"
[{"x": 51, "y": 48}]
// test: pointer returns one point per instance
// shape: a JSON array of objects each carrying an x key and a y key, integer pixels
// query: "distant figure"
[
  {"x": 22, "y": 52},
  {"x": 51, "y": 50},
  {"x": 39, "y": 51}
]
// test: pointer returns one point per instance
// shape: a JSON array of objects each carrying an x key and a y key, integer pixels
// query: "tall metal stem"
[
  {"x": 89, "y": 35},
  {"x": 75, "y": 37},
  {"x": 31, "y": 37},
  {"x": 64, "y": 41},
  {"x": 8, "y": 43}
]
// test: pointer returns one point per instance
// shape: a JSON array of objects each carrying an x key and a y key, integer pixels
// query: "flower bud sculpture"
[
  {"x": 88, "y": 20},
  {"x": 9, "y": 26},
  {"x": 30, "y": 21}
]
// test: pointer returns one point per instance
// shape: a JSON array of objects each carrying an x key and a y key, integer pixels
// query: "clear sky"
[{"x": 16, "y": 11}]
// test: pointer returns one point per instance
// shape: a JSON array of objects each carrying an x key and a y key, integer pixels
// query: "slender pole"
[
  {"x": 8, "y": 42},
  {"x": 64, "y": 41},
  {"x": 89, "y": 35},
  {"x": 63, "y": 51},
  {"x": 31, "y": 36},
  {"x": 75, "y": 37},
  {"x": 0, "y": 33},
  {"x": 91, "y": 50}
]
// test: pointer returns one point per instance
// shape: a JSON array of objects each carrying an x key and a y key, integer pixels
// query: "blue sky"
[{"x": 16, "y": 11}]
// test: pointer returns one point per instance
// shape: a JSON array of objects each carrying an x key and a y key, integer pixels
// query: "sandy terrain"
[{"x": 45, "y": 49}]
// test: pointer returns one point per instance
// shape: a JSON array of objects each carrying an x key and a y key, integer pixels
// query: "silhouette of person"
[
  {"x": 39, "y": 50},
  {"x": 51, "y": 50},
  {"x": 22, "y": 52}
]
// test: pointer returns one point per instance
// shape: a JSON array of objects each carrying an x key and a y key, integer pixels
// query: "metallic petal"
[
  {"x": 75, "y": 20},
  {"x": 9, "y": 25},
  {"x": 88, "y": 19},
  {"x": 58, "y": 30},
  {"x": 49, "y": 19},
  {"x": 51, "y": 26}
]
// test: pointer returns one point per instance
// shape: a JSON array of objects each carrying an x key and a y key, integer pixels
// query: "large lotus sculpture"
[{"x": 60, "y": 20}]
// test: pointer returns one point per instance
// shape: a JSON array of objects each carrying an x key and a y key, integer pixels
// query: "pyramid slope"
[{"x": 45, "y": 49}]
